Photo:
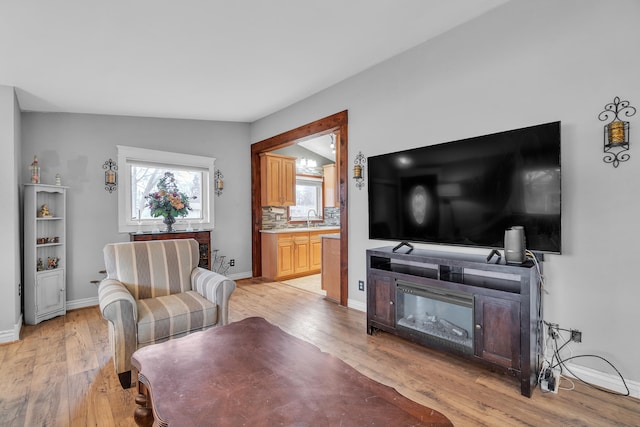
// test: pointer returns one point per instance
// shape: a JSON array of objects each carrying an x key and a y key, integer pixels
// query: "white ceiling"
[{"x": 230, "y": 60}]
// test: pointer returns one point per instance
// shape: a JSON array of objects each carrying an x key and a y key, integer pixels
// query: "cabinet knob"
[
  {"x": 391, "y": 302},
  {"x": 478, "y": 326}
]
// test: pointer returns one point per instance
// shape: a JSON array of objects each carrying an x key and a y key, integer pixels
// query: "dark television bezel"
[{"x": 463, "y": 245}]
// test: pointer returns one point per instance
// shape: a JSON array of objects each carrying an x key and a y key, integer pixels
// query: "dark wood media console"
[{"x": 484, "y": 311}]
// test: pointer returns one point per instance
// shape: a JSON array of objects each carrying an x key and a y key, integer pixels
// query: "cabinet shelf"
[{"x": 49, "y": 270}]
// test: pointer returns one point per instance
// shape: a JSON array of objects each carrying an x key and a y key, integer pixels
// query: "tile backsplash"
[{"x": 276, "y": 217}]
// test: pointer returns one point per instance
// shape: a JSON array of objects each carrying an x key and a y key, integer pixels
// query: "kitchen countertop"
[{"x": 300, "y": 229}]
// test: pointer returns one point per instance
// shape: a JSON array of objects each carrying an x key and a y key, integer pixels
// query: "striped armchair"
[{"x": 155, "y": 291}]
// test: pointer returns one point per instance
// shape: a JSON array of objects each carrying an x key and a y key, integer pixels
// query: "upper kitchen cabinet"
[
  {"x": 330, "y": 183},
  {"x": 278, "y": 176}
]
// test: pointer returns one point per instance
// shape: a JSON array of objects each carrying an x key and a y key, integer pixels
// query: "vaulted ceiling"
[{"x": 231, "y": 60}]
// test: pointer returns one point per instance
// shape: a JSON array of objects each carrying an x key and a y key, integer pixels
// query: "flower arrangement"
[{"x": 168, "y": 201}]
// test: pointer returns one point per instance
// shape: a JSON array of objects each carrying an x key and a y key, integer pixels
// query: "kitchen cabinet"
[
  {"x": 330, "y": 279},
  {"x": 315, "y": 248},
  {"x": 330, "y": 186},
  {"x": 285, "y": 256},
  {"x": 288, "y": 253},
  {"x": 301, "y": 253},
  {"x": 278, "y": 177}
]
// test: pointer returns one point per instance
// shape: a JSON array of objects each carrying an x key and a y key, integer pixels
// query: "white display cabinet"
[{"x": 44, "y": 252}]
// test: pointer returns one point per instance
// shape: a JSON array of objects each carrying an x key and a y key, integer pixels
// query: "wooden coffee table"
[{"x": 251, "y": 373}]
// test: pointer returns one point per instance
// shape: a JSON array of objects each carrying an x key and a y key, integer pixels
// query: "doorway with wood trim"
[{"x": 336, "y": 124}]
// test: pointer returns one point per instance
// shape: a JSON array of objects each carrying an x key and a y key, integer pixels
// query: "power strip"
[{"x": 550, "y": 380}]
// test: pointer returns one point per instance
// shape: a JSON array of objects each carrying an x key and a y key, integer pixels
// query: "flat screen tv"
[{"x": 469, "y": 192}]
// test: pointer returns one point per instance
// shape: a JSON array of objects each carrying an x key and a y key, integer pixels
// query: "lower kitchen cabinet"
[
  {"x": 291, "y": 254},
  {"x": 315, "y": 250}
]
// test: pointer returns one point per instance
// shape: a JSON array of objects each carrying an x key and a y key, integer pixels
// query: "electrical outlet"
[
  {"x": 550, "y": 380},
  {"x": 576, "y": 336},
  {"x": 361, "y": 285},
  {"x": 232, "y": 262}
]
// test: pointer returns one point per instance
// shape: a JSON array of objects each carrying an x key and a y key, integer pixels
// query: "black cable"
[
  {"x": 556, "y": 354},
  {"x": 562, "y": 362},
  {"x": 539, "y": 332}
]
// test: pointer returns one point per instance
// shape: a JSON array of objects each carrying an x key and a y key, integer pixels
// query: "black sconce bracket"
[
  {"x": 110, "y": 176},
  {"x": 616, "y": 132}
]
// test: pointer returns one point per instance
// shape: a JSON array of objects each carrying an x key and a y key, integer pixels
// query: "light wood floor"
[
  {"x": 61, "y": 374},
  {"x": 312, "y": 283}
]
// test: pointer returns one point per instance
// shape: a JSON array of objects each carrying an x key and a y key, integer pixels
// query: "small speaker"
[{"x": 514, "y": 245}]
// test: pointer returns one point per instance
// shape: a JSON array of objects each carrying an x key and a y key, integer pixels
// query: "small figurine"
[
  {"x": 44, "y": 212},
  {"x": 58, "y": 179},
  {"x": 40, "y": 265},
  {"x": 35, "y": 171},
  {"x": 52, "y": 262}
]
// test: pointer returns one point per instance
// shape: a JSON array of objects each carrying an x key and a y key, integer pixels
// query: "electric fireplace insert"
[{"x": 435, "y": 316}]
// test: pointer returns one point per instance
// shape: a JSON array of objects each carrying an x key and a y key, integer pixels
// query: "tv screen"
[{"x": 469, "y": 192}]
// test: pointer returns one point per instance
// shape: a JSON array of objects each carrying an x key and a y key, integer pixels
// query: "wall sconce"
[
  {"x": 219, "y": 183},
  {"x": 616, "y": 132},
  {"x": 358, "y": 169},
  {"x": 110, "y": 176}
]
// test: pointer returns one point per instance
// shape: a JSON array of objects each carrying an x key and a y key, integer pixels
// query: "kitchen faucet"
[{"x": 309, "y": 213}]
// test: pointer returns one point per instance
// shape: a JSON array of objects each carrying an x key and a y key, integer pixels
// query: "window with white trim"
[
  {"x": 140, "y": 170},
  {"x": 308, "y": 198}
]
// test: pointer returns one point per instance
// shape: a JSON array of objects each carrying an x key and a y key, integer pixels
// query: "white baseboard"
[
  {"x": 241, "y": 275},
  {"x": 602, "y": 379},
  {"x": 11, "y": 335},
  {"x": 81, "y": 303},
  {"x": 357, "y": 305}
]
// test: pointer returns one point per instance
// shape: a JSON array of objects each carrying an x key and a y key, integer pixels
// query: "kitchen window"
[{"x": 308, "y": 199}]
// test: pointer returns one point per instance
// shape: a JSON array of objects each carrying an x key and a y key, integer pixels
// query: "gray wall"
[
  {"x": 521, "y": 64},
  {"x": 77, "y": 145},
  {"x": 10, "y": 261}
]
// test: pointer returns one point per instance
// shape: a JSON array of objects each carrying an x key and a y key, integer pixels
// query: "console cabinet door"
[
  {"x": 50, "y": 292},
  {"x": 381, "y": 299},
  {"x": 497, "y": 330}
]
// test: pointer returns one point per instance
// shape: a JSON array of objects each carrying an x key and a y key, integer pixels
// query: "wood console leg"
[{"x": 143, "y": 414}]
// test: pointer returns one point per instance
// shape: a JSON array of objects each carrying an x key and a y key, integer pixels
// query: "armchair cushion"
[
  {"x": 173, "y": 316},
  {"x": 152, "y": 269}
]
